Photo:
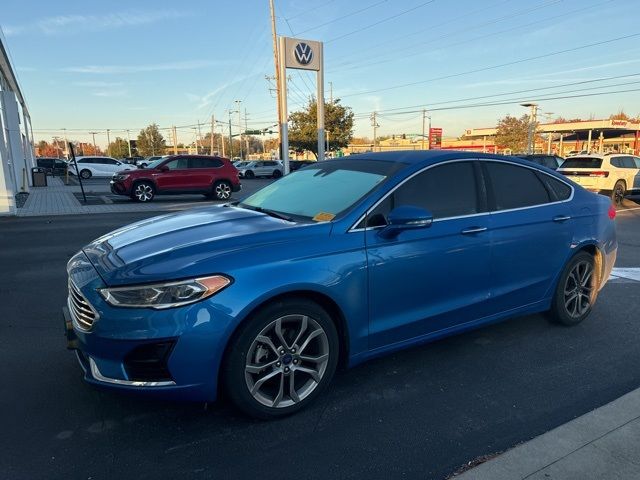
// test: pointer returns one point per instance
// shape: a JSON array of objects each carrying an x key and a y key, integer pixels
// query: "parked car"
[
  {"x": 549, "y": 161},
  {"x": 298, "y": 164},
  {"x": 344, "y": 260},
  {"x": 214, "y": 177},
  {"x": 54, "y": 166},
  {"x": 142, "y": 162},
  {"x": 132, "y": 160},
  {"x": 261, "y": 168},
  {"x": 98, "y": 166},
  {"x": 612, "y": 174},
  {"x": 239, "y": 163},
  {"x": 573, "y": 153}
]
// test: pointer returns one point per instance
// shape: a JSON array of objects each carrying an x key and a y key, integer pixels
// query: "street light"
[{"x": 532, "y": 121}]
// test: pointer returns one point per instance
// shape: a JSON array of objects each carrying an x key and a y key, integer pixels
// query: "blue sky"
[{"x": 97, "y": 65}]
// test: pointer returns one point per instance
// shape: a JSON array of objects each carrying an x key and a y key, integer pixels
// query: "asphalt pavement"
[{"x": 420, "y": 413}]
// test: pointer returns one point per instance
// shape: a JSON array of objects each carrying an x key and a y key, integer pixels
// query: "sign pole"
[
  {"x": 284, "y": 114},
  {"x": 320, "y": 103}
]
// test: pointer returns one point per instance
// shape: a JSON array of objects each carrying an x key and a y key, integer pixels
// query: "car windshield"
[
  {"x": 582, "y": 162},
  {"x": 322, "y": 192},
  {"x": 155, "y": 163}
]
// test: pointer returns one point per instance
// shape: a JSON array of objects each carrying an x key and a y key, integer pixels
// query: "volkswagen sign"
[{"x": 303, "y": 53}]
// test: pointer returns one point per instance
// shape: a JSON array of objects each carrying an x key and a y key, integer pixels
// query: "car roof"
[{"x": 428, "y": 157}]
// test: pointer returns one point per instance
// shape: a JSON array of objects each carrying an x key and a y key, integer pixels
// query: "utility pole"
[
  {"x": 276, "y": 65},
  {"x": 212, "y": 131},
  {"x": 129, "y": 142},
  {"x": 199, "y": 136},
  {"x": 175, "y": 140},
  {"x": 108, "y": 140},
  {"x": 195, "y": 131},
  {"x": 66, "y": 144},
  {"x": 95, "y": 150},
  {"x": 424, "y": 118},
  {"x": 331, "y": 92},
  {"x": 238, "y": 102},
  {"x": 375, "y": 126},
  {"x": 230, "y": 138}
]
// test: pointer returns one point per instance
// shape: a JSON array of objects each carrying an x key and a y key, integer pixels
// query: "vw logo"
[{"x": 303, "y": 53}]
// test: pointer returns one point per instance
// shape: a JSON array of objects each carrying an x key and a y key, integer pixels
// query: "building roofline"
[{"x": 9, "y": 72}]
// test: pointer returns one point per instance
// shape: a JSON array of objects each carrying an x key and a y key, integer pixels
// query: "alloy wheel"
[
  {"x": 223, "y": 191},
  {"x": 578, "y": 289},
  {"x": 143, "y": 192},
  {"x": 618, "y": 194},
  {"x": 286, "y": 361}
]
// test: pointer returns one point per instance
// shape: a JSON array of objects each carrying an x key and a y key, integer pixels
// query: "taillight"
[
  {"x": 612, "y": 212},
  {"x": 599, "y": 174}
]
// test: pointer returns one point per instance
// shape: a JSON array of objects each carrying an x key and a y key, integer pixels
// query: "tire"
[
  {"x": 276, "y": 174},
  {"x": 576, "y": 291},
  {"x": 143, "y": 192},
  {"x": 249, "y": 174},
  {"x": 85, "y": 174},
  {"x": 618, "y": 192},
  {"x": 222, "y": 190},
  {"x": 305, "y": 353}
]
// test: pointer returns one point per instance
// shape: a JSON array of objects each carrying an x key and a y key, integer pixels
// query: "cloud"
[
  {"x": 69, "y": 24},
  {"x": 98, "y": 84},
  {"x": 157, "y": 67},
  {"x": 109, "y": 93},
  {"x": 206, "y": 99}
]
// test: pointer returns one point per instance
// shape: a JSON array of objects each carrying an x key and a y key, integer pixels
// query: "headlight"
[
  {"x": 120, "y": 178},
  {"x": 165, "y": 295}
]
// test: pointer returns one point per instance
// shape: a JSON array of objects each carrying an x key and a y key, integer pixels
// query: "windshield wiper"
[{"x": 271, "y": 213}]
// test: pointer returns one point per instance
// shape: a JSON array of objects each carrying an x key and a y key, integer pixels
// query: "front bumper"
[
  {"x": 118, "y": 188},
  {"x": 170, "y": 354}
]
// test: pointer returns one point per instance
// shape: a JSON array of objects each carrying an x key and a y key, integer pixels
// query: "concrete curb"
[{"x": 602, "y": 444}]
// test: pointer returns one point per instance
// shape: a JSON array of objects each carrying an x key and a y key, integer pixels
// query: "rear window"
[{"x": 582, "y": 162}]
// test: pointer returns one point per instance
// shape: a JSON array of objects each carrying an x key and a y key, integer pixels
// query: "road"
[{"x": 420, "y": 413}]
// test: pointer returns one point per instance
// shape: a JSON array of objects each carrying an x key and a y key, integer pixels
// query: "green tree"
[
  {"x": 338, "y": 123},
  {"x": 150, "y": 141},
  {"x": 512, "y": 133},
  {"x": 118, "y": 148}
]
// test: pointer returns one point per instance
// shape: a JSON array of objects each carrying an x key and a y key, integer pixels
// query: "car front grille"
[{"x": 81, "y": 310}]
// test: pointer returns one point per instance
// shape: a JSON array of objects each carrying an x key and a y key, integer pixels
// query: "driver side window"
[{"x": 448, "y": 190}]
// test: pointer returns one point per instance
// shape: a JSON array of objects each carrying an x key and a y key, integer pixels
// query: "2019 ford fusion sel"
[{"x": 339, "y": 262}]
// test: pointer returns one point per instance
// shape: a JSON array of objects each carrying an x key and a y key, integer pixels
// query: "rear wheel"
[
  {"x": 619, "y": 190},
  {"x": 143, "y": 192},
  {"x": 276, "y": 174},
  {"x": 85, "y": 174},
  {"x": 222, "y": 190},
  {"x": 281, "y": 359},
  {"x": 576, "y": 291}
]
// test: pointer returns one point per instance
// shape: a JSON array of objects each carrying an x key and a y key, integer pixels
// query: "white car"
[
  {"x": 261, "y": 168},
  {"x": 98, "y": 166},
  {"x": 614, "y": 174}
]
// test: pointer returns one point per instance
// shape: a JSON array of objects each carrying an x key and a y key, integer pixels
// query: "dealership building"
[
  {"x": 16, "y": 139},
  {"x": 563, "y": 138}
]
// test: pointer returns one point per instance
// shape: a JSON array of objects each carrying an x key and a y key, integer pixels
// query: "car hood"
[{"x": 190, "y": 243}]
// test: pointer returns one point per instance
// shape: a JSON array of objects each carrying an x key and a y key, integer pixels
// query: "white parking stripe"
[
  {"x": 624, "y": 210},
  {"x": 628, "y": 273}
]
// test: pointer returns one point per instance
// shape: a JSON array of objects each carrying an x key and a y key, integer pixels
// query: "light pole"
[
  {"x": 231, "y": 136},
  {"x": 108, "y": 140},
  {"x": 95, "y": 150},
  {"x": 532, "y": 122},
  {"x": 129, "y": 142}
]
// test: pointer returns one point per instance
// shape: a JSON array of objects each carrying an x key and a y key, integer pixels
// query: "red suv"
[{"x": 214, "y": 177}]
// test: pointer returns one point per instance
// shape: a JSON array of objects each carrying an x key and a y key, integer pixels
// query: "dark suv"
[
  {"x": 54, "y": 166},
  {"x": 214, "y": 177}
]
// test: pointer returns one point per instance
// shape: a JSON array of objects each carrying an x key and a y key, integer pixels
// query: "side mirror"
[
  {"x": 163, "y": 168},
  {"x": 406, "y": 217}
]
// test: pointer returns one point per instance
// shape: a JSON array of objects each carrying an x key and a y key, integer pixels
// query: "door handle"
[
  {"x": 561, "y": 218},
  {"x": 471, "y": 230}
]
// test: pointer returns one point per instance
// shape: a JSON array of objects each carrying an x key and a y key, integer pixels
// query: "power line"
[
  {"x": 492, "y": 67},
  {"x": 358, "y": 30},
  {"x": 342, "y": 17},
  {"x": 309, "y": 10}
]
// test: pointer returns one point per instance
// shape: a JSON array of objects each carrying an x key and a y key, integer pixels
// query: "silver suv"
[{"x": 261, "y": 168}]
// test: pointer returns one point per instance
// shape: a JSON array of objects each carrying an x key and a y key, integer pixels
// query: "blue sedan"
[{"x": 337, "y": 263}]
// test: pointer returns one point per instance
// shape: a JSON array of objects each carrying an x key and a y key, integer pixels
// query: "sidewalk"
[
  {"x": 603, "y": 444},
  {"x": 58, "y": 199}
]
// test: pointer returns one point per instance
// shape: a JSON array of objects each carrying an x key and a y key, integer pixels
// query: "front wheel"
[
  {"x": 281, "y": 359},
  {"x": 249, "y": 174},
  {"x": 143, "y": 192},
  {"x": 576, "y": 291},
  {"x": 85, "y": 174}
]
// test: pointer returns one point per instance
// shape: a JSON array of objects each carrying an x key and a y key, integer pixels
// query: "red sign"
[{"x": 435, "y": 138}]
